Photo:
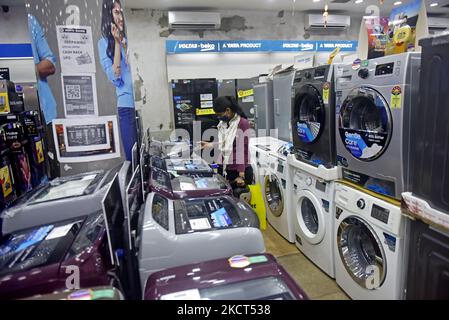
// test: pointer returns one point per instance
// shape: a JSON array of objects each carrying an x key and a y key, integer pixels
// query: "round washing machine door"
[
  {"x": 365, "y": 124},
  {"x": 361, "y": 252},
  {"x": 309, "y": 114},
  {"x": 310, "y": 217},
  {"x": 274, "y": 195}
]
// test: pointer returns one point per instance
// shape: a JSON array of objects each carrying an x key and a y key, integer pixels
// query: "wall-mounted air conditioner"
[
  {"x": 334, "y": 22},
  {"x": 194, "y": 20},
  {"x": 438, "y": 23}
]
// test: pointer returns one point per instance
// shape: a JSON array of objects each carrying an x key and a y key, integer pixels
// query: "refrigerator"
[
  {"x": 282, "y": 99},
  {"x": 264, "y": 107},
  {"x": 245, "y": 95}
]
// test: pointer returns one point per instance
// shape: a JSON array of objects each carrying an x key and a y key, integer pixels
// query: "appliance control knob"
[
  {"x": 364, "y": 73},
  {"x": 361, "y": 204},
  {"x": 309, "y": 181}
]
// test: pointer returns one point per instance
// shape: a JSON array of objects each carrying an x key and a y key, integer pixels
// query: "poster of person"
[
  {"x": 87, "y": 38},
  {"x": 402, "y": 28},
  {"x": 377, "y": 28}
]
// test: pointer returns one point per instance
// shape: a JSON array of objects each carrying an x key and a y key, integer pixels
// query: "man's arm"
[{"x": 45, "y": 68}]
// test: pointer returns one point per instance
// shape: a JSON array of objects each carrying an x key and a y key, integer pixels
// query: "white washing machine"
[
  {"x": 370, "y": 246},
  {"x": 313, "y": 218},
  {"x": 259, "y": 149},
  {"x": 276, "y": 189}
]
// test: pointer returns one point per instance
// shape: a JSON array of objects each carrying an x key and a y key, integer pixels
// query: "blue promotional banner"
[
  {"x": 331, "y": 45},
  {"x": 15, "y": 50},
  {"x": 297, "y": 46},
  {"x": 186, "y": 46},
  {"x": 245, "y": 46},
  {"x": 182, "y": 46}
]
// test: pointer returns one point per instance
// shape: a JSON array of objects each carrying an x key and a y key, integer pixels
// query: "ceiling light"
[
  {"x": 316, "y": 0},
  {"x": 358, "y": 1},
  {"x": 397, "y": 3},
  {"x": 434, "y": 4}
]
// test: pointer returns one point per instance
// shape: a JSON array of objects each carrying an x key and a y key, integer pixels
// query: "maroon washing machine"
[
  {"x": 250, "y": 277},
  {"x": 48, "y": 258}
]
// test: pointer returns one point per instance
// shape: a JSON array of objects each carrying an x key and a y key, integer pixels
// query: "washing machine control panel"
[
  {"x": 309, "y": 181},
  {"x": 361, "y": 204}
]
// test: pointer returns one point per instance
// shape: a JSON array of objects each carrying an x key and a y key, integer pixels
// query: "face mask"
[{"x": 223, "y": 118}]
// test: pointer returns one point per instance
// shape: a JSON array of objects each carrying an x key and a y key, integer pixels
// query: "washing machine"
[
  {"x": 241, "y": 277},
  {"x": 60, "y": 199},
  {"x": 370, "y": 245},
  {"x": 374, "y": 103},
  {"x": 40, "y": 259},
  {"x": 180, "y": 232},
  {"x": 176, "y": 186},
  {"x": 276, "y": 191},
  {"x": 313, "y": 112},
  {"x": 259, "y": 149},
  {"x": 312, "y": 211}
]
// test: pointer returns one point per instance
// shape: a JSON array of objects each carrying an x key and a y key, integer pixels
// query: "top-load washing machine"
[
  {"x": 61, "y": 199},
  {"x": 179, "y": 232},
  {"x": 276, "y": 191},
  {"x": 370, "y": 247},
  {"x": 241, "y": 277},
  {"x": 374, "y": 103},
  {"x": 313, "y": 116}
]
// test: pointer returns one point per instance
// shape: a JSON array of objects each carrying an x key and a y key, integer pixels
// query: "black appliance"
[{"x": 429, "y": 140}]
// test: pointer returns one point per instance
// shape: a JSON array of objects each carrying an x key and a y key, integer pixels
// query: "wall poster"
[{"x": 85, "y": 140}]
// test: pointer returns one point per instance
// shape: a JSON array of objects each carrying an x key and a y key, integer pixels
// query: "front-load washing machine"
[
  {"x": 259, "y": 149},
  {"x": 313, "y": 112},
  {"x": 374, "y": 104},
  {"x": 313, "y": 218},
  {"x": 276, "y": 191},
  {"x": 369, "y": 246},
  {"x": 180, "y": 232}
]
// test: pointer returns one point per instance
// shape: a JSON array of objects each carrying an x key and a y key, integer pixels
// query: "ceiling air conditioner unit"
[
  {"x": 437, "y": 23},
  {"x": 193, "y": 20},
  {"x": 334, "y": 22}
]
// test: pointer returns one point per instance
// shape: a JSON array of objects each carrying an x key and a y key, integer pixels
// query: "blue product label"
[
  {"x": 380, "y": 189},
  {"x": 390, "y": 241},
  {"x": 304, "y": 132},
  {"x": 221, "y": 218},
  {"x": 355, "y": 144}
]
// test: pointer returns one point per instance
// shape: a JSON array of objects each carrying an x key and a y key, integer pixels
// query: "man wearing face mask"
[{"x": 233, "y": 140}]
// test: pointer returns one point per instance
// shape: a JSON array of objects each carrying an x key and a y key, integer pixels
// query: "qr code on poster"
[{"x": 73, "y": 91}]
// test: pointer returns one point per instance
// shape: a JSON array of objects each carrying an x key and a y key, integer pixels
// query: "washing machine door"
[
  {"x": 365, "y": 123},
  {"x": 361, "y": 252},
  {"x": 310, "y": 217},
  {"x": 309, "y": 114},
  {"x": 274, "y": 195}
]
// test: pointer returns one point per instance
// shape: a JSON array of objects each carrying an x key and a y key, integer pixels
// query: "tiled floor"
[{"x": 310, "y": 278}]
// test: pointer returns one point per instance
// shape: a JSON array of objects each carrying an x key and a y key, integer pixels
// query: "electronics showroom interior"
[{"x": 224, "y": 150}]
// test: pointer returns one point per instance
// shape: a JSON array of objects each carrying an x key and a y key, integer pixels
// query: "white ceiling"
[{"x": 299, "y": 5}]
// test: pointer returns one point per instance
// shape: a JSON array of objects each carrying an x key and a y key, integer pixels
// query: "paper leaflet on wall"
[{"x": 85, "y": 140}]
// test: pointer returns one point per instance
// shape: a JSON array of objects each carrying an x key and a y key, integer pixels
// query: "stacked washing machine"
[
  {"x": 427, "y": 199},
  {"x": 375, "y": 100},
  {"x": 273, "y": 107},
  {"x": 312, "y": 167}
]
